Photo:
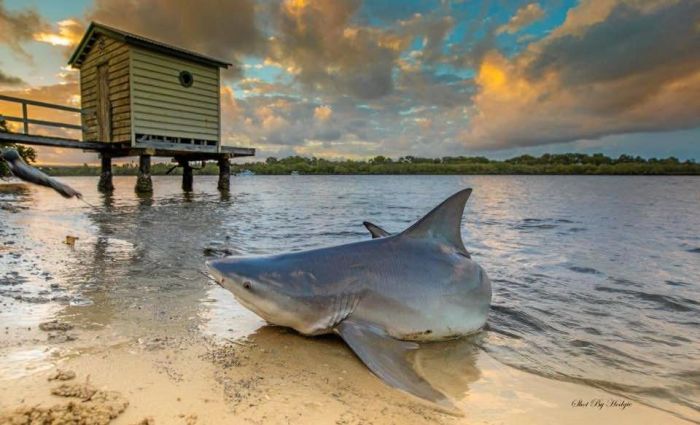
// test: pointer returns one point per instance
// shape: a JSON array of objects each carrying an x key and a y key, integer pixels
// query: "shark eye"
[{"x": 246, "y": 284}]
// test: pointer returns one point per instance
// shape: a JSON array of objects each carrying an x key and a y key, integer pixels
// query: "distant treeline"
[{"x": 570, "y": 163}]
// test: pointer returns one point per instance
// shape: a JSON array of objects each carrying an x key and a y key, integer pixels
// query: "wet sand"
[{"x": 277, "y": 376}]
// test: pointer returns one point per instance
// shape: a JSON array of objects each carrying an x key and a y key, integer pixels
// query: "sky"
[{"x": 355, "y": 79}]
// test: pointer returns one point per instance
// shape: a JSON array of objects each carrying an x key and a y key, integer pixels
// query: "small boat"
[
  {"x": 245, "y": 173},
  {"x": 294, "y": 173}
]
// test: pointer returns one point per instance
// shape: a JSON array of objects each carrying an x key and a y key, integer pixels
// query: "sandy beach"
[{"x": 275, "y": 376}]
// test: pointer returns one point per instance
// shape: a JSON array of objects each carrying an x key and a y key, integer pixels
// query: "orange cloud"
[
  {"x": 323, "y": 113},
  {"x": 68, "y": 34},
  {"x": 570, "y": 87}
]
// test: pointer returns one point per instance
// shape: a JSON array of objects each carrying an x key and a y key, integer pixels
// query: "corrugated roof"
[{"x": 96, "y": 28}]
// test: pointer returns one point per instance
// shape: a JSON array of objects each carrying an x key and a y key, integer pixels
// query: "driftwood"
[{"x": 23, "y": 171}]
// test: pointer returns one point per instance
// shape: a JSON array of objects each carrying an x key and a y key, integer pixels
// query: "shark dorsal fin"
[
  {"x": 443, "y": 222},
  {"x": 375, "y": 231}
]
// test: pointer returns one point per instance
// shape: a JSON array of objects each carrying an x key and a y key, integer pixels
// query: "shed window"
[{"x": 186, "y": 78}]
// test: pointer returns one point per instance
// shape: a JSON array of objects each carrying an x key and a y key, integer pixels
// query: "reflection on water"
[
  {"x": 595, "y": 278},
  {"x": 449, "y": 366},
  {"x": 225, "y": 318}
]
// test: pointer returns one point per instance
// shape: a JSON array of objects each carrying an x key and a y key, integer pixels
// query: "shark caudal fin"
[
  {"x": 387, "y": 358},
  {"x": 375, "y": 231},
  {"x": 444, "y": 221}
]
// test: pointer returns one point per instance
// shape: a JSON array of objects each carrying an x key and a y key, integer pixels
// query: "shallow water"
[{"x": 596, "y": 279}]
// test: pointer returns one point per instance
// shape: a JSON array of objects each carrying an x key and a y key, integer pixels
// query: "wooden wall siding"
[
  {"x": 163, "y": 107},
  {"x": 117, "y": 55}
]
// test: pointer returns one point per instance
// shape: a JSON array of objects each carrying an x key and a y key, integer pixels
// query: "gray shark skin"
[
  {"x": 23, "y": 171},
  {"x": 378, "y": 232},
  {"x": 381, "y": 296}
]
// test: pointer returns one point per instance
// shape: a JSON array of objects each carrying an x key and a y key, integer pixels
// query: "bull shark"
[{"x": 381, "y": 296}]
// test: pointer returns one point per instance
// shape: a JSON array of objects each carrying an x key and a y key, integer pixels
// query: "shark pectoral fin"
[
  {"x": 375, "y": 231},
  {"x": 386, "y": 357}
]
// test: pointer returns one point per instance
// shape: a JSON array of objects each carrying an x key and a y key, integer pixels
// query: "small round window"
[{"x": 186, "y": 78}]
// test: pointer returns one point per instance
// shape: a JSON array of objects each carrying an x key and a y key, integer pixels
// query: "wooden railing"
[{"x": 25, "y": 120}]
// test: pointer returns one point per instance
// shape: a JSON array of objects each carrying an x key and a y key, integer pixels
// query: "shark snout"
[
  {"x": 230, "y": 271},
  {"x": 216, "y": 270}
]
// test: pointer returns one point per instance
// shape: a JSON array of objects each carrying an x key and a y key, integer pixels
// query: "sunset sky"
[{"x": 354, "y": 79}]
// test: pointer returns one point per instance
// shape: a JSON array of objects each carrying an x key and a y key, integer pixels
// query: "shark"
[{"x": 384, "y": 296}]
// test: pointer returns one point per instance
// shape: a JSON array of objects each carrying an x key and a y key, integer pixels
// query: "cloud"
[
  {"x": 525, "y": 16},
  {"x": 328, "y": 51},
  {"x": 323, "y": 113},
  {"x": 628, "y": 42},
  {"x": 353, "y": 78},
  {"x": 432, "y": 30},
  {"x": 9, "y": 80},
  {"x": 424, "y": 88},
  {"x": 223, "y": 29},
  {"x": 318, "y": 43},
  {"x": 18, "y": 27},
  {"x": 624, "y": 72},
  {"x": 68, "y": 33},
  {"x": 284, "y": 123}
]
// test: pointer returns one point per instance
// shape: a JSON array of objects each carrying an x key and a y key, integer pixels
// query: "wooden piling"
[
  {"x": 187, "y": 177},
  {"x": 143, "y": 181},
  {"x": 105, "y": 184},
  {"x": 224, "y": 184}
]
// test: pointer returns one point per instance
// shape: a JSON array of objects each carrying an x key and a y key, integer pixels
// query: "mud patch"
[
  {"x": 242, "y": 390},
  {"x": 228, "y": 355},
  {"x": 158, "y": 343},
  {"x": 89, "y": 406},
  {"x": 55, "y": 325},
  {"x": 62, "y": 375}
]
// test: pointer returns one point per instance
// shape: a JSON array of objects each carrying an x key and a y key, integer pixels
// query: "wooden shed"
[{"x": 147, "y": 93}]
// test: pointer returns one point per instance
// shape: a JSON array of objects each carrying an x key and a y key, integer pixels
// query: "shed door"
[{"x": 104, "y": 110}]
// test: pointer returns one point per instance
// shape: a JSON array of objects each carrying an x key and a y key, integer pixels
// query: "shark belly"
[
  {"x": 446, "y": 300},
  {"x": 425, "y": 319}
]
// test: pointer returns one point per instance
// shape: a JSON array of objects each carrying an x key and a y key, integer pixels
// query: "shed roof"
[{"x": 96, "y": 28}]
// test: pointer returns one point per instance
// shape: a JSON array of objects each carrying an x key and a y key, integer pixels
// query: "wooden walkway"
[{"x": 116, "y": 150}]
